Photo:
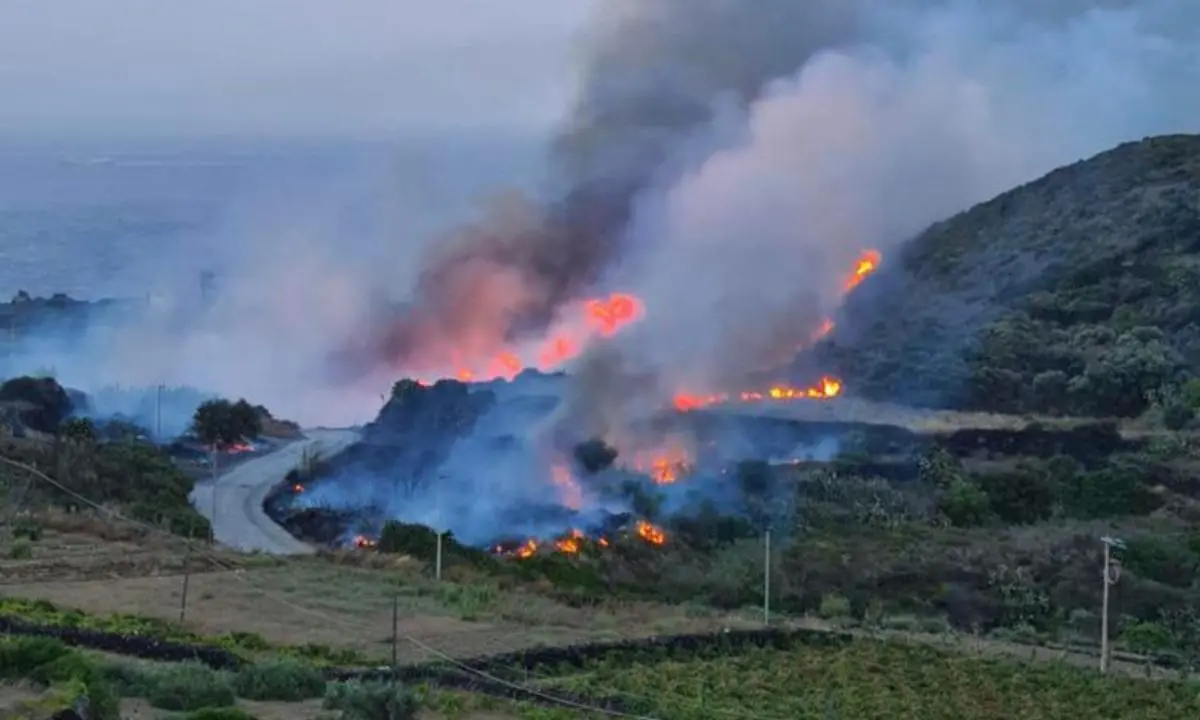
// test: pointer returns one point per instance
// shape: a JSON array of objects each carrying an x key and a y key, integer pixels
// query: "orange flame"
[
  {"x": 664, "y": 465},
  {"x": 650, "y": 533},
  {"x": 828, "y": 388},
  {"x": 868, "y": 263},
  {"x": 297, "y": 488},
  {"x": 613, "y": 313},
  {"x": 527, "y": 549},
  {"x": 570, "y": 544},
  {"x": 581, "y": 323},
  {"x": 362, "y": 541}
]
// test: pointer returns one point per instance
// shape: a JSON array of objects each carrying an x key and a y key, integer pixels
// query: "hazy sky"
[{"x": 344, "y": 67}]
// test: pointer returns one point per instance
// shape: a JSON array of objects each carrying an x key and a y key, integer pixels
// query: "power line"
[{"x": 440, "y": 655}]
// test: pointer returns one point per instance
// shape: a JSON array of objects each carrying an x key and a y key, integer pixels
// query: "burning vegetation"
[{"x": 604, "y": 494}]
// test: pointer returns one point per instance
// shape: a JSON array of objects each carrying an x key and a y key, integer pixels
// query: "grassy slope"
[{"x": 1108, "y": 242}]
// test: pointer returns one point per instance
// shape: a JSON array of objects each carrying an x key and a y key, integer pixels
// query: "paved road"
[{"x": 241, "y": 522}]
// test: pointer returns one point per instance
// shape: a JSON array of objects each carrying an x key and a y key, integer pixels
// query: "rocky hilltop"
[{"x": 1078, "y": 293}]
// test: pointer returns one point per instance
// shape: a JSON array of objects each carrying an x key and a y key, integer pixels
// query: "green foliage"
[
  {"x": 420, "y": 542},
  {"x": 187, "y": 687},
  {"x": 371, "y": 701},
  {"x": 20, "y": 550},
  {"x": 868, "y": 679},
  {"x": 50, "y": 663},
  {"x": 221, "y": 422},
  {"x": 1022, "y": 496},
  {"x": 42, "y": 612},
  {"x": 962, "y": 502},
  {"x": 282, "y": 680},
  {"x": 1147, "y": 637},
  {"x": 220, "y": 713},
  {"x": 1164, "y": 560},
  {"x": 27, "y": 527},
  {"x": 80, "y": 430}
]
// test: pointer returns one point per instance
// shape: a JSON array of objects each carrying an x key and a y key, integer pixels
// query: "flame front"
[
  {"x": 570, "y": 544},
  {"x": 826, "y": 389},
  {"x": 579, "y": 326},
  {"x": 650, "y": 533}
]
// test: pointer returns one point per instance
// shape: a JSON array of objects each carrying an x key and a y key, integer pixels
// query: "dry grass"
[
  {"x": 918, "y": 420},
  {"x": 84, "y": 546},
  {"x": 317, "y": 600}
]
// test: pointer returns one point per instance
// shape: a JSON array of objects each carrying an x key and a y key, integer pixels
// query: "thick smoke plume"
[{"x": 728, "y": 164}]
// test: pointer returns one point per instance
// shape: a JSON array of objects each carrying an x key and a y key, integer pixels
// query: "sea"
[{"x": 94, "y": 219}]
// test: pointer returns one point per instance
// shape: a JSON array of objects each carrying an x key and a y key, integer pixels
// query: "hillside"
[{"x": 1078, "y": 293}]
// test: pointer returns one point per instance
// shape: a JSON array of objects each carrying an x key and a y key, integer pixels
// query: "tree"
[
  {"x": 247, "y": 418},
  {"x": 220, "y": 422}
]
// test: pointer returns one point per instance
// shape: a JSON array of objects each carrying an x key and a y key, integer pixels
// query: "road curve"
[{"x": 240, "y": 521}]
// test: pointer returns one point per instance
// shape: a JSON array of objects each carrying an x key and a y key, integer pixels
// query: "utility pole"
[
  {"x": 395, "y": 639},
  {"x": 213, "y": 524},
  {"x": 437, "y": 566},
  {"x": 187, "y": 572},
  {"x": 767, "y": 577},
  {"x": 1112, "y": 572}
]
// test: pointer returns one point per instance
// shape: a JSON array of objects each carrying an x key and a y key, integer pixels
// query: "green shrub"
[
  {"x": 20, "y": 550},
  {"x": 283, "y": 680},
  {"x": 1147, "y": 637},
  {"x": 28, "y": 528},
  {"x": 189, "y": 686},
  {"x": 49, "y": 662},
  {"x": 20, "y": 657},
  {"x": 834, "y": 606},
  {"x": 222, "y": 713},
  {"x": 371, "y": 701}
]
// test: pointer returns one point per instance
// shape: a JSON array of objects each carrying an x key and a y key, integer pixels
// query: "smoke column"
[{"x": 728, "y": 165}]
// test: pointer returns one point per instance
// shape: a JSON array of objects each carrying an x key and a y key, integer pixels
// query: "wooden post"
[
  {"x": 767, "y": 578},
  {"x": 395, "y": 639},
  {"x": 187, "y": 573}
]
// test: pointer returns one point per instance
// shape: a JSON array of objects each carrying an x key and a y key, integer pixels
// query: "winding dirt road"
[{"x": 241, "y": 522}]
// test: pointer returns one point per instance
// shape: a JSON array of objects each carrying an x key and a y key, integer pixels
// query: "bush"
[
  {"x": 20, "y": 550},
  {"x": 188, "y": 686},
  {"x": 371, "y": 701},
  {"x": 285, "y": 680},
  {"x": 834, "y": 606},
  {"x": 20, "y": 657},
  {"x": 1177, "y": 415},
  {"x": 49, "y": 662},
  {"x": 223, "y": 713},
  {"x": 27, "y": 528}
]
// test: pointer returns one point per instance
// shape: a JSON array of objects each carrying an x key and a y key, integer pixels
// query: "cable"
[{"x": 197, "y": 547}]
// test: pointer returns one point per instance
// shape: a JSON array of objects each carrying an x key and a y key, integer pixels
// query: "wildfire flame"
[
  {"x": 527, "y": 549},
  {"x": 665, "y": 465},
  {"x": 595, "y": 317},
  {"x": 650, "y": 533},
  {"x": 572, "y": 543},
  {"x": 297, "y": 488},
  {"x": 827, "y": 388},
  {"x": 868, "y": 263},
  {"x": 362, "y": 541}
]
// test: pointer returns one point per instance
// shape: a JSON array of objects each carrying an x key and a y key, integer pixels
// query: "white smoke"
[{"x": 937, "y": 107}]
